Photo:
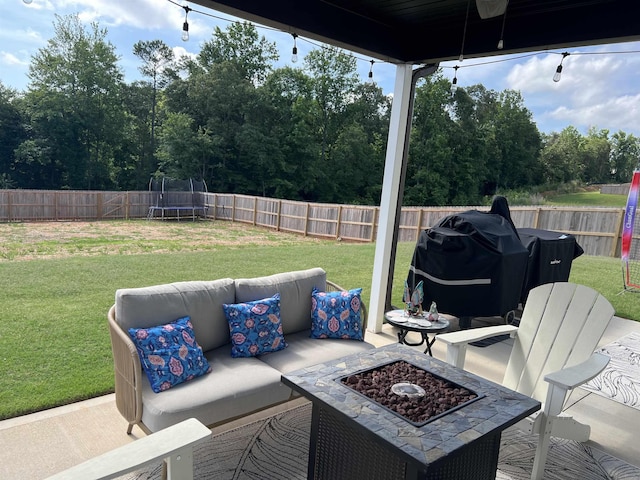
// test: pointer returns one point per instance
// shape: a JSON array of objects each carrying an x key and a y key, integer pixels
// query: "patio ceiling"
[
  {"x": 426, "y": 32},
  {"x": 430, "y": 31}
]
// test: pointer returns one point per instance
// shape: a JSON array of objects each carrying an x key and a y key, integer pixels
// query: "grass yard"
[
  {"x": 589, "y": 199},
  {"x": 59, "y": 279}
]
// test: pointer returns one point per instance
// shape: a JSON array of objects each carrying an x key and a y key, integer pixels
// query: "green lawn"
[
  {"x": 54, "y": 338},
  {"x": 589, "y": 199}
]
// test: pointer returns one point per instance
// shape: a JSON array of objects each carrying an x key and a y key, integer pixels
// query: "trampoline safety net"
[{"x": 175, "y": 199}]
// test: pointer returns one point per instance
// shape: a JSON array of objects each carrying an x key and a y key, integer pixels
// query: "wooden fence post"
[
  {"x": 233, "y": 208},
  {"x": 339, "y": 223},
  {"x": 618, "y": 233},
  {"x": 255, "y": 211},
  {"x": 374, "y": 221},
  {"x": 99, "y": 206},
  {"x": 536, "y": 218},
  {"x": 306, "y": 220},
  {"x": 278, "y": 215}
]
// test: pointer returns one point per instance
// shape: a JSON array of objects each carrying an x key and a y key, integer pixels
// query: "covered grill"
[{"x": 473, "y": 264}]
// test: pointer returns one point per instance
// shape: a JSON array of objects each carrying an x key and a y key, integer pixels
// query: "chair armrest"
[
  {"x": 572, "y": 377},
  {"x": 174, "y": 443},
  {"x": 127, "y": 371},
  {"x": 562, "y": 381},
  {"x": 475, "y": 334},
  {"x": 457, "y": 341},
  {"x": 334, "y": 287}
]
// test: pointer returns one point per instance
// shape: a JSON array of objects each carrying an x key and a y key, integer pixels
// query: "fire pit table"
[{"x": 355, "y": 436}]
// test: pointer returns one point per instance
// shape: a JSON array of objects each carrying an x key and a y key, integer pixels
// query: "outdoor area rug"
[
  {"x": 620, "y": 380},
  {"x": 277, "y": 448}
]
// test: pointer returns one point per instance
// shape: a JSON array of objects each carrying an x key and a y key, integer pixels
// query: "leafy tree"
[
  {"x": 431, "y": 153},
  {"x": 219, "y": 92},
  {"x": 75, "y": 105},
  {"x": 333, "y": 82},
  {"x": 158, "y": 64},
  {"x": 596, "y": 157},
  {"x": 561, "y": 156},
  {"x": 12, "y": 133},
  {"x": 518, "y": 142},
  {"x": 288, "y": 92},
  {"x": 625, "y": 156},
  {"x": 241, "y": 45}
]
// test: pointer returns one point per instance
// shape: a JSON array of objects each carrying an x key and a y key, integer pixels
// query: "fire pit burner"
[{"x": 413, "y": 393}]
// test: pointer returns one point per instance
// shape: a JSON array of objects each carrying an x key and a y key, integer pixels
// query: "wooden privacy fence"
[{"x": 598, "y": 230}]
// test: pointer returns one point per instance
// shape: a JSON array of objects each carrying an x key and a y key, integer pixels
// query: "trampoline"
[{"x": 175, "y": 199}]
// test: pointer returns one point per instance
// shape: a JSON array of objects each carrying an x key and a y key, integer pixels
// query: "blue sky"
[{"x": 600, "y": 86}]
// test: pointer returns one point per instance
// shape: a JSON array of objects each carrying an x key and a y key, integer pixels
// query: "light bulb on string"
[
  {"x": 558, "y": 74},
  {"x": 294, "y": 51},
  {"x": 371, "y": 71},
  {"x": 185, "y": 25},
  {"x": 454, "y": 82}
]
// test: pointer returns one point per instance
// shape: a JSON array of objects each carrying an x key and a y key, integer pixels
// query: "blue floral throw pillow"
[
  {"x": 336, "y": 314},
  {"x": 255, "y": 327},
  {"x": 169, "y": 354}
]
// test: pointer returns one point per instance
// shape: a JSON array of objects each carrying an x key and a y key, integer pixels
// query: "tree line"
[{"x": 313, "y": 133}]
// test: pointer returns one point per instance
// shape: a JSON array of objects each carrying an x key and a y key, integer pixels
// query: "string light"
[
  {"x": 454, "y": 82},
  {"x": 185, "y": 25},
  {"x": 499, "y": 60},
  {"x": 294, "y": 51},
  {"x": 28, "y": 2},
  {"x": 371, "y": 71},
  {"x": 557, "y": 75}
]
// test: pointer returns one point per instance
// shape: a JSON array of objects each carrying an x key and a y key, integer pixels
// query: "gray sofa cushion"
[
  {"x": 235, "y": 386},
  {"x": 200, "y": 300},
  {"x": 304, "y": 352},
  {"x": 295, "y": 294}
]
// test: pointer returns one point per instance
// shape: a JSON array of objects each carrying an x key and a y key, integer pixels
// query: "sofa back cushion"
[
  {"x": 295, "y": 294},
  {"x": 159, "y": 304}
]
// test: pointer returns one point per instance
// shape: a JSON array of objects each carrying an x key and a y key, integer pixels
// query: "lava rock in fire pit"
[{"x": 440, "y": 395}]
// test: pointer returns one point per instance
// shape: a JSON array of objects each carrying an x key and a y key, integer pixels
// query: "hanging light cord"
[
  {"x": 504, "y": 20},
  {"x": 464, "y": 31}
]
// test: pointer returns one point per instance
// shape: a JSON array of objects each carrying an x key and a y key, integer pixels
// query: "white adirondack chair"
[{"x": 553, "y": 352}]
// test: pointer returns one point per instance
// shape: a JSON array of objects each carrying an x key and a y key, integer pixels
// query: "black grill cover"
[
  {"x": 471, "y": 263},
  {"x": 550, "y": 257}
]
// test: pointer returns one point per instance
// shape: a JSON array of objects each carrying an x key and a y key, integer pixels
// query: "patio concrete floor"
[{"x": 41, "y": 444}]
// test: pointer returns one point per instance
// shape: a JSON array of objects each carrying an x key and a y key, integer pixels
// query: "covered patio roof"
[
  {"x": 430, "y": 31},
  {"x": 424, "y": 33}
]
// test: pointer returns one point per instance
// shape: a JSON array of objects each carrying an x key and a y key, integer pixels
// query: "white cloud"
[
  {"x": 7, "y": 58},
  {"x": 141, "y": 14},
  {"x": 597, "y": 89},
  {"x": 613, "y": 114}
]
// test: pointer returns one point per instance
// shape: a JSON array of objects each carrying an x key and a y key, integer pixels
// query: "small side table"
[{"x": 409, "y": 323}]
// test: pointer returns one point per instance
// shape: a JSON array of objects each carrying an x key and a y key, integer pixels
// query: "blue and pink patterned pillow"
[
  {"x": 336, "y": 314},
  {"x": 255, "y": 327},
  {"x": 169, "y": 353}
]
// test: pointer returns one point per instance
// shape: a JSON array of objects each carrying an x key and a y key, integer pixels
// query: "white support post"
[{"x": 389, "y": 199}]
